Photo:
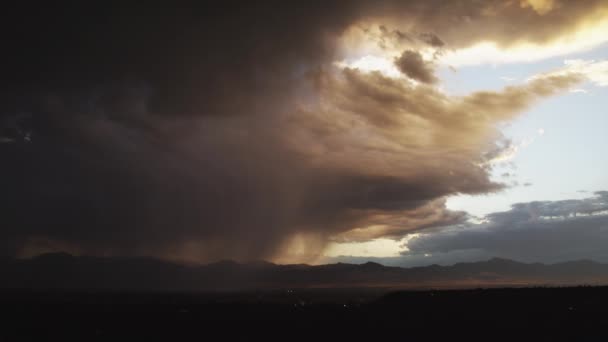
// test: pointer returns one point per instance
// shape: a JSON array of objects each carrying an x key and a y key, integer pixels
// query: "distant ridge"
[{"x": 66, "y": 272}]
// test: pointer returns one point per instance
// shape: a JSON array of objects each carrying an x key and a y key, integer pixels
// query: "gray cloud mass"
[{"x": 548, "y": 231}]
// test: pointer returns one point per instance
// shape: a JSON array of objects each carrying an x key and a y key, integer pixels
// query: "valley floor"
[{"x": 576, "y": 313}]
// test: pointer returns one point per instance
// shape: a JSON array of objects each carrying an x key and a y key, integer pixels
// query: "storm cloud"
[
  {"x": 411, "y": 64},
  {"x": 547, "y": 231},
  {"x": 201, "y": 133}
]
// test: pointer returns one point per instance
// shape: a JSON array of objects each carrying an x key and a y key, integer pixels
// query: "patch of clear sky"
[{"x": 570, "y": 160}]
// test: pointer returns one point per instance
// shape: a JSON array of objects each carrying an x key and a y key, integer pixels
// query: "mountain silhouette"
[{"x": 67, "y": 272}]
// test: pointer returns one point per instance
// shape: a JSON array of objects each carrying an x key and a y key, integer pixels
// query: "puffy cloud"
[
  {"x": 412, "y": 65},
  {"x": 540, "y": 6},
  {"x": 595, "y": 71}
]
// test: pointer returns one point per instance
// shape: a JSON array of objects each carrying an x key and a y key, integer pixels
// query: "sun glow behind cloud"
[
  {"x": 365, "y": 46},
  {"x": 369, "y": 63},
  {"x": 374, "y": 248},
  {"x": 587, "y": 37}
]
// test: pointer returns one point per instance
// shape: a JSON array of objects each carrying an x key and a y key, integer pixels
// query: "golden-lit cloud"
[
  {"x": 489, "y": 32},
  {"x": 489, "y": 52},
  {"x": 595, "y": 72},
  {"x": 540, "y": 6},
  {"x": 425, "y": 143}
]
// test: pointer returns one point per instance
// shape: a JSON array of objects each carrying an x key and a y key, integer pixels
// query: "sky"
[{"x": 403, "y": 132}]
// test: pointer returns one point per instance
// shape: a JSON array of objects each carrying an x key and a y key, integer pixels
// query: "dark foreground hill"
[
  {"x": 512, "y": 314},
  {"x": 63, "y": 271},
  {"x": 59, "y": 297}
]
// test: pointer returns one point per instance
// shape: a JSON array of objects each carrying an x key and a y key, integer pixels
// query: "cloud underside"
[
  {"x": 532, "y": 232},
  {"x": 248, "y": 143}
]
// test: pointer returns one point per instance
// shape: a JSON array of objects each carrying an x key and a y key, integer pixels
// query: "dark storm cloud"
[
  {"x": 153, "y": 127},
  {"x": 411, "y": 64},
  {"x": 534, "y": 232},
  {"x": 431, "y": 39},
  {"x": 204, "y": 132}
]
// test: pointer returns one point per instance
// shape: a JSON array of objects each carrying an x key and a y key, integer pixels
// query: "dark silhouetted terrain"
[
  {"x": 63, "y": 271},
  {"x": 58, "y": 296},
  {"x": 515, "y": 314}
]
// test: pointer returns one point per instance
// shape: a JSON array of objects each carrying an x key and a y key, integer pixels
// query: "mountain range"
[{"x": 66, "y": 272}]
